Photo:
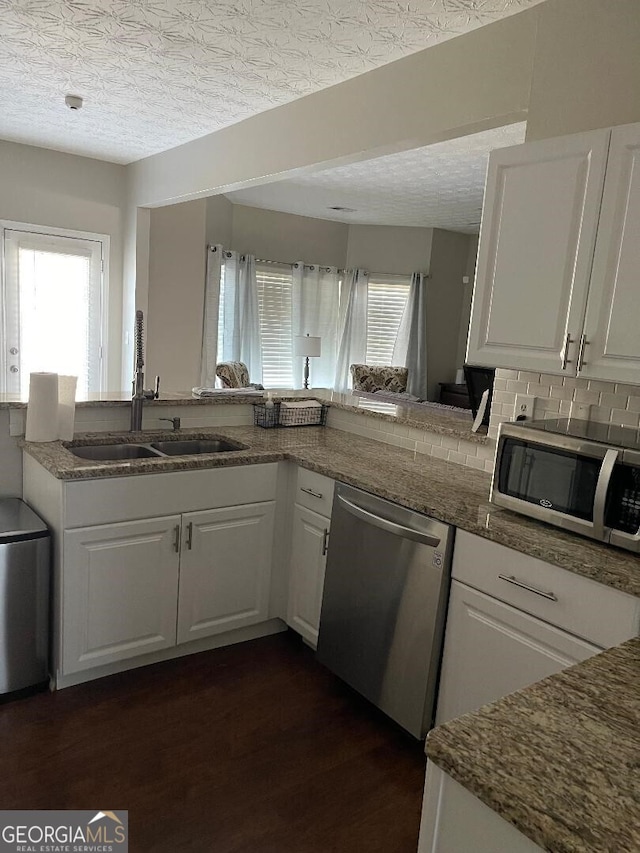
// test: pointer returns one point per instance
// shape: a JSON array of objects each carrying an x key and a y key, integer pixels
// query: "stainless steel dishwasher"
[{"x": 384, "y": 605}]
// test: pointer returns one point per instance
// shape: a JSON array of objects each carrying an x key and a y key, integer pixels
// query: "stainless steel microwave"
[{"x": 582, "y": 476}]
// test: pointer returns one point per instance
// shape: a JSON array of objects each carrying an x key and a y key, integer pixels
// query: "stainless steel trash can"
[{"x": 25, "y": 554}]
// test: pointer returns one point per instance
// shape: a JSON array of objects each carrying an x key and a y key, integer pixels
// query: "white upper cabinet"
[
  {"x": 537, "y": 239},
  {"x": 612, "y": 326}
]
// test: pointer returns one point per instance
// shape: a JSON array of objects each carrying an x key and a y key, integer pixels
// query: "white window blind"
[
  {"x": 275, "y": 286},
  {"x": 386, "y": 301},
  {"x": 52, "y": 309}
]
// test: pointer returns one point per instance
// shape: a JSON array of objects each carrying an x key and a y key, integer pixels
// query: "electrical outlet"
[{"x": 523, "y": 410}]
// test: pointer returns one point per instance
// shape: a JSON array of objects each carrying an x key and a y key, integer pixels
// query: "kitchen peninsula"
[{"x": 453, "y": 493}]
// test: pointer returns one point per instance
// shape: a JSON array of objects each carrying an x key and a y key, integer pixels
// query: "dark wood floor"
[{"x": 249, "y": 749}]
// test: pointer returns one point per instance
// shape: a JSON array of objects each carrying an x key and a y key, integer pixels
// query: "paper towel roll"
[
  {"x": 66, "y": 406},
  {"x": 42, "y": 408}
]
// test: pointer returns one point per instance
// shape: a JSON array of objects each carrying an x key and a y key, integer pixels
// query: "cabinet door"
[
  {"x": 538, "y": 232},
  {"x": 225, "y": 569},
  {"x": 492, "y": 649},
  {"x": 454, "y": 821},
  {"x": 120, "y": 584},
  {"x": 612, "y": 325},
  {"x": 306, "y": 578}
]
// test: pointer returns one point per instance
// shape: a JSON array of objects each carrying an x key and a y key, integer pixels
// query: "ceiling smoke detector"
[{"x": 74, "y": 102}]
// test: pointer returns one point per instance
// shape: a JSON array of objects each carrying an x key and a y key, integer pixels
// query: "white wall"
[
  {"x": 10, "y": 460},
  {"x": 42, "y": 187},
  {"x": 219, "y": 221},
  {"x": 467, "y": 297},
  {"x": 586, "y": 71},
  {"x": 177, "y": 258},
  {"x": 389, "y": 248},
  {"x": 469, "y": 83},
  {"x": 445, "y": 298},
  {"x": 285, "y": 237}
]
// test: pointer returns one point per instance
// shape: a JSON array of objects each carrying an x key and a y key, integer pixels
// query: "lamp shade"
[{"x": 307, "y": 345}]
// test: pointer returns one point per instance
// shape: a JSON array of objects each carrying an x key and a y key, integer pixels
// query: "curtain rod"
[
  {"x": 426, "y": 275},
  {"x": 326, "y": 269},
  {"x": 289, "y": 264}
]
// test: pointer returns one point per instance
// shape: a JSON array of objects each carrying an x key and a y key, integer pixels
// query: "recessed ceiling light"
[{"x": 343, "y": 209}]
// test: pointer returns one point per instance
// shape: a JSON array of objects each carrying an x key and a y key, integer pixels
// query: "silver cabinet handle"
[
  {"x": 389, "y": 526},
  {"x": 511, "y": 579},
  {"x": 565, "y": 352},
  {"x": 176, "y": 538},
  {"x": 189, "y": 536},
  {"x": 311, "y": 492},
  {"x": 325, "y": 542},
  {"x": 583, "y": 343}
]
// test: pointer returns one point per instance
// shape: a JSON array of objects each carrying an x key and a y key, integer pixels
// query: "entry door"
[{"x": 52, "y": 311}]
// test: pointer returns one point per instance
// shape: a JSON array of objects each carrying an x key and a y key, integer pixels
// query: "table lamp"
[{"x": 309, "y": 347}]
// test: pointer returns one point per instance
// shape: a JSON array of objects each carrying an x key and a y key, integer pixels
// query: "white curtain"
[
  {"x": 416, "y": 352},
  {"x": 231, "y": 322},
  {"x": 315, "y": 302},
  {"x": 352, "y": 327}
]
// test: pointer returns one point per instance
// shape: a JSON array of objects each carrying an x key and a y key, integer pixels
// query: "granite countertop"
[
  {"x": 109, "y": 399},
  {"x": 560, "y": 760},
  {"x": 443, "y": 421},
  {"x": 440, "y": 421},
  {"x": 452, "y": 493}
]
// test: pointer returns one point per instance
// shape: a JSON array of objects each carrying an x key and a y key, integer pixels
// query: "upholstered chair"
[
  {"x": 233, "y": 374},
  {"x": 379, "y": 377}
]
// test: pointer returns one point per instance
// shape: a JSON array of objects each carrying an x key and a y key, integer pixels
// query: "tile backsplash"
[
  {"x": 610, "y": 402},
  {"x": 419, "y": 440}
]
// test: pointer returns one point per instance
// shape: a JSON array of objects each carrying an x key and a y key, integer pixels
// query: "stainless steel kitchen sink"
[
  {"x": 155, "y": 450},
  {"x": 113, "y": 452},
  {"x": 187, "y": 447}
]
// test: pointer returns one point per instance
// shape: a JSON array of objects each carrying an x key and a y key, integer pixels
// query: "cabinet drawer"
[
  {"x": 150, "y": 495},
  {"x": 315, "y": 491},
  {"x": 588, "y": 609}
]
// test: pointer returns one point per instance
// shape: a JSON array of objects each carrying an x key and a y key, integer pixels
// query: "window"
[
  {"x": 275, "y": 290},
  {"x": 52, "y": 308},
  {"x": 386, "y": 301}
]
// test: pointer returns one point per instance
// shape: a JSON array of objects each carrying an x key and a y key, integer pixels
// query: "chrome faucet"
[
  {"x": 175, "y": 422},
  {"x": 139, "y": 395}
]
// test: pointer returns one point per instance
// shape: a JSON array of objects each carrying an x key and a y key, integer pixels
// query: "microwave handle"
[{"x": 602, "y": 487}]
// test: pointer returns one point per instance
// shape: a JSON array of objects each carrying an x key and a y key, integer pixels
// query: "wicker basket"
[{"x": 276, "y": 416}]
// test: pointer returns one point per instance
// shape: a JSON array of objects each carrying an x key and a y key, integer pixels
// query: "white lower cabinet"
[
  {"x": 306, "y": 579},
  {"x": 143, "y": 564},
  {"x": 454, "y": 821},
  {"x": 313, "y": 499},
  {"x": 225, "y": 569},
  {"x": 493, "y": 649},
  {"x": 124, "y": 582},
  {"x": 120, "y": 591},
  {"x": 512, "y": 621}
]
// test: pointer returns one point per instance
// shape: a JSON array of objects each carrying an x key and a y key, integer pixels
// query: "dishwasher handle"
[{"x": 389, "y": 526}]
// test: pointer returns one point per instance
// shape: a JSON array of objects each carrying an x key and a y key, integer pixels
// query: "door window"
[{"x": 52, "y": 309}]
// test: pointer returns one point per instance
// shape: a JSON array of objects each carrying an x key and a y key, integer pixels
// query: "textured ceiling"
[
  {"x": 158, "y": 73},
  {"x": 438, "y": 186}
]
